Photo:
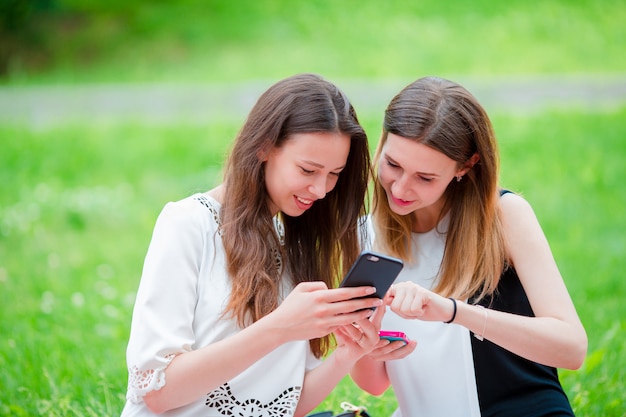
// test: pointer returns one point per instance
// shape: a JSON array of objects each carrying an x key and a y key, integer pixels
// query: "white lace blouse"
[{"x": 182, "y": 294}]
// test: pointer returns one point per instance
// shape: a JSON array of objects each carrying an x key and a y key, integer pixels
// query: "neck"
[
  {"x": 427, "y": 218},
  {"x": 217, "y": 193}
]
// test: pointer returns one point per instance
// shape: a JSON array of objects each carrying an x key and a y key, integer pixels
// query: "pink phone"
[{"x": 392, "y": 336}]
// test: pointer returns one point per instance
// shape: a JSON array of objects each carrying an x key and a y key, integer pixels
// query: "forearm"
[
  {"x": 192, "y": 374},
  {"x": 371, "y": 376},
  {"x": 319, "y": 382},
  {"x": 547, "y": 340},
  {"x": 556, "y": 337}
]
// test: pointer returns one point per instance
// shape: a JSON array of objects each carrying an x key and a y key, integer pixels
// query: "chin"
[
  {"x": 293, "y": 212},
  {"x": 401, "y": 210}
]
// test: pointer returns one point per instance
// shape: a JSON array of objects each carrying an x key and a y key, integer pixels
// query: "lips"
[
  {"x": 400, "y": 202},
  {"x": 304, "y": 200},
  {"x": 303, "y": 203}
]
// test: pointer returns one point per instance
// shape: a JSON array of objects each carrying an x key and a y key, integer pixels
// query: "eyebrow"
[
  {"x": 320, "y": 166},
  {"x": 425, "y": 174}
]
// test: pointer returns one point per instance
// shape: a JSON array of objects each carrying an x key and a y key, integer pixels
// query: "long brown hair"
[
  {"x": 446, "y": 117},
  {"x": 318, "y": 245}
]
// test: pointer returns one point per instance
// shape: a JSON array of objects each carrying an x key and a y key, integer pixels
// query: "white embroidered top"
[
  {"x": 182, "y": 294},
  {"x": 437, "y": 379}
]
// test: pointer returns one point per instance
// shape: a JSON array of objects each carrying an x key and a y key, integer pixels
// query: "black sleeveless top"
[{"x": 509, "y": 385}]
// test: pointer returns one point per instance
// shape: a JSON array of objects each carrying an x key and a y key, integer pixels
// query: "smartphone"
[
  {"x": 392, "y": 336},
  {"x": 375, "y": 270}
]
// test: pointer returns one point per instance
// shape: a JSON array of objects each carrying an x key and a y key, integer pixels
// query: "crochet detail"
[
  {"x": 227, "y": 404},
  {"x": 278, "y": 260},
  {"x": 142, "y": 382},
  {"x": 202, "y": 199}
]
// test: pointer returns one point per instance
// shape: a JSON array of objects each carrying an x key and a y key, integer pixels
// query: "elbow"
[
  {"x": 155, "y": 403},
  {"x": 155, "y": 409},
  {"x": 375, "y": 389},
  {"x": 581, "y": 353},
  {"x": 578, "y": 352},
  {"x": 371, "y": 377}
]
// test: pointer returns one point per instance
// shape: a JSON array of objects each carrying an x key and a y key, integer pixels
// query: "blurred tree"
[{"x": 22, "y": 37}]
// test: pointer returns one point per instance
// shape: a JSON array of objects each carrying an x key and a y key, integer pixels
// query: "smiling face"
[
  {"x": 304, "y": 169},
  {"x": 414, "y": 175}
]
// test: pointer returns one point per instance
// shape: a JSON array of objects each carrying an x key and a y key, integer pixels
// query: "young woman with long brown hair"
[
  {"x": 476, "y": 262},
  {"x": 236, "y": 302}
]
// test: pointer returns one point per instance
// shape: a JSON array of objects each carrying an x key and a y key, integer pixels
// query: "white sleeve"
[
  {"x": 167, "y": 296},
  {"x": 311, "y": 361}
]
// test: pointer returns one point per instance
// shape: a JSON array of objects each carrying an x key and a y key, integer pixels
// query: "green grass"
[
  {"x": 78, "y": 204},
  {"x": 78, "y": 201},
  {"x": 573, "y": 178},
  {"x": 77, "y": 207}
]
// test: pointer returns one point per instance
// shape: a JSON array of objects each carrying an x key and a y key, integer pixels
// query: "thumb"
[
  {"x": 391, "y": 293},
  {"x": 310, "y": 286},
  {"x": 377, "y": 317}
]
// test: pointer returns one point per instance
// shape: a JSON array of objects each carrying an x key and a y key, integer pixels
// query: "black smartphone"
[{"x": 375, "y": 270}]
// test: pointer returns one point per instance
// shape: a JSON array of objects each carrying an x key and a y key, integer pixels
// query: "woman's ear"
[
  {"x": 469, "y": 164},
  {"x": 263, "y": 153},
  {"x": 473, "y": 160}
]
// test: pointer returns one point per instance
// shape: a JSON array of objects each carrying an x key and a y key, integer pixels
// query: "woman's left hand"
[{"x": 360, "y": 338}]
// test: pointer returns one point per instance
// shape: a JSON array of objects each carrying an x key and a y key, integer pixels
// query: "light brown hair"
[
  {"x": 446, "y": 117},
  {"x": 320, "y": 244}
]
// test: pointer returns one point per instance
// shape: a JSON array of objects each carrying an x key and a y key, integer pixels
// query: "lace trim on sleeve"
[
  {"x": 142, "y": 382},
  {"x": 202, "y": 199}
]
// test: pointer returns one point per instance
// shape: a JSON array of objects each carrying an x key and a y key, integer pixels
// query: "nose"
[
  {"x": 318, "y": 188},
  {"x": 400, "y": 186}
]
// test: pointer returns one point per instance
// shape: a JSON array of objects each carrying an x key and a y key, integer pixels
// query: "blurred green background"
[{"x": 110, "y": 109}]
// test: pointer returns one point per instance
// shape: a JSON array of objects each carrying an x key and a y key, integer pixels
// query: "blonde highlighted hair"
[{"x": 446, "y": 117}]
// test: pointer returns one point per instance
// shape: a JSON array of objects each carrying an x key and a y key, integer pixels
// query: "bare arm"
[
  {"x": 554, "y": 337},
  {"x": 310, "y": 311},
  {"x": 353, "y": 342},
  {"x": 371, "y": 376},
  {"x": 370, "y": 373}
]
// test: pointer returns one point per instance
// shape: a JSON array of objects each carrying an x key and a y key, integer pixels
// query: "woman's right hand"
[
  {"x": 411, "y": 301},
  {"x": 312, "y": 310}
]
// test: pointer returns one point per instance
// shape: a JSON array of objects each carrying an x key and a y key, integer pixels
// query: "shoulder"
[
  {"x": 193, "y": 205},
  {"x": 513, "y": 205},
  {"x": 520, "y": 224},
  {"x": 198, "y": 212}
]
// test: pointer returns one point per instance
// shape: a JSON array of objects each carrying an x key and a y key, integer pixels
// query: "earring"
[{"x": 458, "y": 178}]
